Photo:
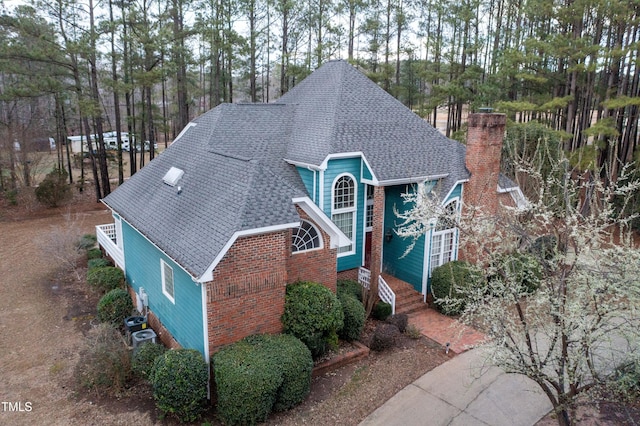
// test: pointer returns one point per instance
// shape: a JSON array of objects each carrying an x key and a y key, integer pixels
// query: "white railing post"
[
  {"x": 386, "y": 294},
  {"x": 364, "y": 277}
]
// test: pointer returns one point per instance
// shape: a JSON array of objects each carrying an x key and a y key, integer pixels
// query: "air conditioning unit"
[{"x": 141, "y": 337}]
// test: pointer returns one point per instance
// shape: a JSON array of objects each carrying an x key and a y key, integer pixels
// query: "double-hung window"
[
  {"x": 343, "y": 209},
  {"x": 444, "y": 237},
  {"x": 167, "y": 280}
]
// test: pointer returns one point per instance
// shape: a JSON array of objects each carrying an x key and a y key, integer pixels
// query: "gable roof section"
[
  {"x": 339, "y": 109},
  {"x": 234, "y": 181}
]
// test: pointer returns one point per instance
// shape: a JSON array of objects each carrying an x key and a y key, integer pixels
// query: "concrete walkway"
[{"x": 463, "y": 392}]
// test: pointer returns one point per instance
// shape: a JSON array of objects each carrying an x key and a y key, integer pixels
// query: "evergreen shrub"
[
  {"x": 98, "y": 263},
  {"x": 94, "y": 253},
  {"x": 313, "y": 314},
  {"x": 448, "y": 285},
  {"x": 54, "y": 189},
  {"x": 114, "y": 307},
  {"x": 354, "y": 317},
  {"x": 144, "y": 358},
  {"x": 179, "y": 378},
  {"x": 105, "y": 278},
  {"x": 260, "y": 374},
  {"x": 381, "y": 310},
  {"x": 350, "y": 287}
]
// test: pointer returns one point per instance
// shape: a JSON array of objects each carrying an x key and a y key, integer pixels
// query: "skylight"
[{"x": 173, "y": 176}]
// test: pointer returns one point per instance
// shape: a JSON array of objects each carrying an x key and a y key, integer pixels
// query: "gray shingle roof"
[
  {"x": 340, "y": 110},
  {"x": 235, "y": 177},
  {"x": 234, "y": 180}
]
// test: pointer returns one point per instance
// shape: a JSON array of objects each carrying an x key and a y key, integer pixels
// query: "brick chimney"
[{"x": 484, "y": 146}]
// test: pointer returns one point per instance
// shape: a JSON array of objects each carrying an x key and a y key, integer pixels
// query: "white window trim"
[
  {"x": 164, "y": 286},
  {"x": 454, "y": 235},
  {"x": 320, "y": 244},
  {"x": 352, "y": 210}
]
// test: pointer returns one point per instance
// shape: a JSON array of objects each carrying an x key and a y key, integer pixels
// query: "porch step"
[{"x": 408, "y": 300}]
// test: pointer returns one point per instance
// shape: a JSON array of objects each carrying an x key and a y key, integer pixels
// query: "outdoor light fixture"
[{"x": 388, "y": 235}]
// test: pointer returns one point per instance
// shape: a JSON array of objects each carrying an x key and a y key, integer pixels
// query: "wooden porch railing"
[{"x": 385, "y": 293}]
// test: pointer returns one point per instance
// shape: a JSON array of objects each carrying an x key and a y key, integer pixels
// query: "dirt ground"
[{"x": 46, "y": 309}]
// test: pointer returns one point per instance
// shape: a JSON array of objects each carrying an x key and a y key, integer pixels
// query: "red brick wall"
[
  {"x": 484, "y": 145},
  {"x": 246, "y": 295},
  {"x": 315, "y": 265}
]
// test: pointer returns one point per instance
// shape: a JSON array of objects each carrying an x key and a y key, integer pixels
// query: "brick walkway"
[{"x": 445, "y": 330}]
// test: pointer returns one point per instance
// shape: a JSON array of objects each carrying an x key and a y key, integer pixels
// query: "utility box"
[
  {"x": 133, "y": 324},
  {"x": 141, "y": 337}
]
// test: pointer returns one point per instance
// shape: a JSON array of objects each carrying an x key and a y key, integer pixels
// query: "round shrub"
[
  {"x": 399, "y": 320},
  {"x": 144, "y": 358},
  {"x": 293, "y": 359},
  {"x": 313, "y": 314},
  {"x": 521, "y": 271},
  {"x": 54, "y": 189},
  {"x": 354, "y": 317},
  {"x": 179, "y": 378},
  {"x": 350, "y": 287},
  {"x": 105, "y": 278},
  {"x": 98, "y": 263},
  {"x": 381, "y": 310},
  {"x": 384, "y": 337},
  {"x": 448, "y": 284},
  {"x": 88, "y": 241},
  {"x": 246, "y": 384},
  {"x": 94, "y": 253},
  {"x": 114, "y": 307}
]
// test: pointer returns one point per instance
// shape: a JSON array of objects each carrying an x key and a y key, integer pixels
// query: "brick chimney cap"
[{"x": 487, "y": 120}]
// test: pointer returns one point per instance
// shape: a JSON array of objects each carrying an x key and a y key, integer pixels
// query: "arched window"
[
  {"x": 305, "y": 237},
  {"x": 450, "y": 217},
  {"x": 343, "y": 208}
]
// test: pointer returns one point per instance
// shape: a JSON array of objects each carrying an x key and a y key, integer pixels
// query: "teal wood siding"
[
  {"x": 308, "y": 178},
  {"x": 184, "y": 318},
  {"x": 410, "y": 267},
  {"x": 455, "y": 193},
  {"x": 334, "y": 169},
  {"x": 366, "y": 173}
]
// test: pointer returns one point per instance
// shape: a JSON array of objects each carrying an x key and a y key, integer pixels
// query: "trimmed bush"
[
  {"x": 381, "y": 310},
  {"x": 520, "y": 269},
  {"x": 54, "y": 189},
  {"x": 293, "y": 359},
  {"x": 105, "y": 278},
  {"x": 105, "y": 364},
  {"x": 179, "y": 380},
  {"x": 399, "y": 320},
  {"x": 246, "y": 384},
  {"x": 143, "y": 359},
  {"x": 94, "y": 253},
  {"x": 313, "y": 314},
  {"x": 384, "y": 337},
  {"x": 354, "y": 317},
  {"x": 448, "y": 284},
  {"x": 88, "y": 241},
  {"x": 259, "y": 374},
  {"x": 98, "y": 263},
  {"x": 350, "y": 287},
  {"x": 114, "y": 307}
]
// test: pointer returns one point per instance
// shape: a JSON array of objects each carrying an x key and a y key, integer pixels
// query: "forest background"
[{"x": 570, "y": 67}]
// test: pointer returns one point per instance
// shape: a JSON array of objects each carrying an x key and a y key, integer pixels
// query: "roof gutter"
[{"x": 416, "y": 179}]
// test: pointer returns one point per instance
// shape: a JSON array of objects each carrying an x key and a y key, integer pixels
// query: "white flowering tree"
[{"x": 583, "y": 320}]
